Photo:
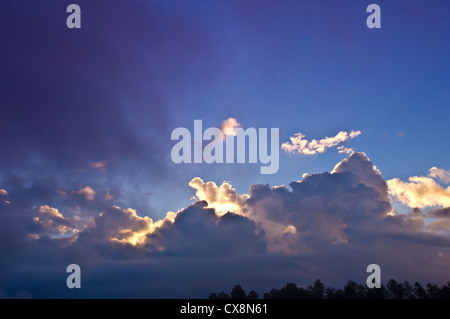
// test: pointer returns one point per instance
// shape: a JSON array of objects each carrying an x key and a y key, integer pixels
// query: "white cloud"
[
  {"x": 345, "y": 150},
  {"x": 223, "y": 199},
  {"x": 420, "y": 192},
  {"x": 298, "y": 143},
  {"x": 87, "y": 192},
  {"x": 50, "y": 212},
  {"x": 440, "y": 174},
  {"x": 53, "y": 222}
]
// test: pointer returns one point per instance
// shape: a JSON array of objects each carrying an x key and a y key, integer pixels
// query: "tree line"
[{"x": 352, "y": 290}]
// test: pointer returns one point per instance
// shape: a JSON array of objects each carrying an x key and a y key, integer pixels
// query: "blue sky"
[{"x": 87, "y": 116}]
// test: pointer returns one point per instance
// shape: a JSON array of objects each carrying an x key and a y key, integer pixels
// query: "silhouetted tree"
[
  {"x": 354, "y": 291},
  {"x": 445, "y": 291},
  {"x": 213, "y": 295},
  {"x": 331, "y": 293},
  {"x": 272, "y": 294},
  {"x": 377, "y": 293},
  {"x": 223, "y": 295},
  {"x": 252, "y": 295},
  {"x": 317, "y": 290},
  {"x": 339, "y": 294},
  {"x": 433, "y": 291},
  {"x": 396, "y": 289},
  {"x": 291, "y": 291},
  {"x": 419, "y": 291},
  {"x": 238, "y": 293},
  {"x": 408, "y": 290}
]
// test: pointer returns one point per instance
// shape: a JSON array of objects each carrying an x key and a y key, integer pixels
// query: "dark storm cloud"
[
  {"x": 198, "y": 231},
  {"x": 441, "y": 213}
]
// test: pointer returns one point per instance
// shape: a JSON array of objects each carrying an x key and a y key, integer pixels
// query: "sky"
[{"x": 86, "y": 174}]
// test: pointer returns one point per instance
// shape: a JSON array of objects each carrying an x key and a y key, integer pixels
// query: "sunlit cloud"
[
  {"x": 135, "y": 230},
  {"x": 440, "y": 174},
  {"x": 5, "y": 194},
  {"x": 298, "y": 143},
  {"x": 87, "y": 192},
  {"x": 229, "y": 126},
  {"x": 125, "y": 226},
  {"x": 53, "y": 222},
  {"x": 419, "y": 191},
  {"x": 223, "y": 198},
  {"x": 345, "y": 150},
  {"x": 100, "y": 165}
]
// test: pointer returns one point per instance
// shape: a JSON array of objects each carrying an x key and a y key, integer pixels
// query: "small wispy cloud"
[
  {"x": 101, "y": 165},
  {"x": 4, "y": 193},
  {"x": 298, "y": 143},
  {"x": 228, "y": 126},
  {"x": 345, "y": 150},
  {"x": 108, "y": 196}
]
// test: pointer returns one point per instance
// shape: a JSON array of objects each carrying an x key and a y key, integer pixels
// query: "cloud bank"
[{"x": 328, "y": 226}]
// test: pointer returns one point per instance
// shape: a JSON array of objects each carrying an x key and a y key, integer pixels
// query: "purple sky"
[{"x": 86, "y": 118}]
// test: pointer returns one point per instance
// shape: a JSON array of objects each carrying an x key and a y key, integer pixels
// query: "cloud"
[
  {"x": 440, "y": 226},
  {"x": 298, "y": 143},
  {"x": 328, "y": 226},
  {"x": 228, "y": 126},
  {"x": 345, "y": 150},
  {"x": 125, "y": 226},
  {"x": 440, "y": 174},
  {"x": 440, "y": 213},
  {"x": 98, "y": 165},
  {"x": 223, "y": 198},
  {"x": 87, "y": 192},
  {"x": 4, "y": 193},
  {"x": 122, "y": 226},
  {"x": 53, "y": 223},
  {"x": 290, "y": 218},
  {"x": 108, "y": 196},
  {"x": 420, "y": 192},
  {"x": 199, "y": 231}
]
